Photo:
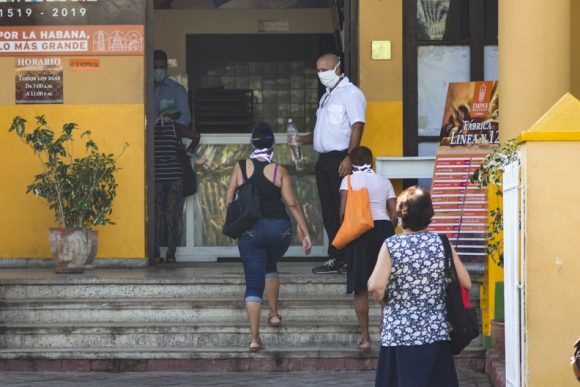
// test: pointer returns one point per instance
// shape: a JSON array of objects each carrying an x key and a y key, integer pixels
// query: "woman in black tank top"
[{"x": 267, "y": 241}]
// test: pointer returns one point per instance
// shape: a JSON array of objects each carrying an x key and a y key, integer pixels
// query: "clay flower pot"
[{"x": 90, "y": 263}]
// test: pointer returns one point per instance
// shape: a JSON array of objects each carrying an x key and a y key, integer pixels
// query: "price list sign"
[{"x": 469, "y": 132}]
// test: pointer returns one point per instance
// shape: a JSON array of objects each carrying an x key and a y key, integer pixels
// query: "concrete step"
[
  {"x": 226, "y": 284},
  {"x": 187, "y": 359},
  {"x": 190, "y": 318},
  {"x": 169, "y": 310},
  {"x": 220, "y": 335},
  {"x": 225, "y": 335},
  {"x": 204, "y": 359},
  {"x": 211, "y": 353},
  {"x": 329, "y": 285}
]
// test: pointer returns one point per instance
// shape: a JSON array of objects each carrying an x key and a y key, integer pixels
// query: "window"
[{"x": 444, "y": 41}]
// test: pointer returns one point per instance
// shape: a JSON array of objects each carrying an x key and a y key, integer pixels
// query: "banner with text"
[
  {"x": 470, "y": 130},
  {"x": 120, "y": 40},
  {"x": 71, "y": 12}
]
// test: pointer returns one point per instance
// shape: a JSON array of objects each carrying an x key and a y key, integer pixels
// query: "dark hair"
[
  {"x": 262, "y": 136},
  {"x": 160, "y": 55},
  {"x": 361, "y": 155},
  {"x": 415, "y": 208}
]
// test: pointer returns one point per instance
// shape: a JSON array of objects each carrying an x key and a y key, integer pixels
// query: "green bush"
[{"x": 81, "y": 190}]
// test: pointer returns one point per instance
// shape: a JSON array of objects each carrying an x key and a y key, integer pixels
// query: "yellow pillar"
[
  {"x": 535, "y": 63},
  {"x": 534, "y": 60},
  {"x": 575, "y": 48},
  {"x": 380, "y": 80}
]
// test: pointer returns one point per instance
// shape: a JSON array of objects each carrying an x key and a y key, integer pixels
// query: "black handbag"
[
  {"x": 463, "y": 320},
  {"x": 244, "y": 211},
  {"x": 189, "y": 178}
]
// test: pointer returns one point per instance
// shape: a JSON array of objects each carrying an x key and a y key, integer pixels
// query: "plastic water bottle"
[{"x": 295, "y": 149}]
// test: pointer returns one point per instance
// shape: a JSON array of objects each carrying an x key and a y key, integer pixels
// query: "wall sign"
[
  {"x": 468, "y": 133},
  {"x": 71, "y": 12},
  {"x": 39, "y": 80},
  {"x": 84, "y": 64},
  {"x": 72, "y": 40},
  {"x": 72, "y": 27},
  {"x": 38, "y": 33}
]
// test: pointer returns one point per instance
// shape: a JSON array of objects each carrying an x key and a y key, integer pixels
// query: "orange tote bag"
[{"x": 358, "y": 218}]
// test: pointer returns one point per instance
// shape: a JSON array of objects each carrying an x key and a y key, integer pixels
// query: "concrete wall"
[
  {"x": 171, "y": 27},
  {"x": 552, "y": 266},
  {"x": 534, "y": 60},
  {"x": 109, "y": 102},
  {"x": 381, "y": 81}
]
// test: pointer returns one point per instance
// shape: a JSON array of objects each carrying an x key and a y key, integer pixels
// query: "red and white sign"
[{"x": 468, "y": 133}]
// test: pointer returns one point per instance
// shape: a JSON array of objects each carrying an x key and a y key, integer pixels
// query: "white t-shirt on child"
[{"x": 379, "y": 187}]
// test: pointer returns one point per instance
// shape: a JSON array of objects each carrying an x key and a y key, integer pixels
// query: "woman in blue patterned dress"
[{"x": 410, "y": 271}]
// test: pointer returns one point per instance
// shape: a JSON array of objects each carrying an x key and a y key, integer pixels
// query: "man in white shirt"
[{"x": 340, "y": 120}]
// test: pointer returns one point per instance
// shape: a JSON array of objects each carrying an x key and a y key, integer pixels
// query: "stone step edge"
[
  {"x": 238, "y": 325},
  {"x": 309, "y": 300},
  {"x": 196, "y": 353},
  {"x": 184, "y": 352},
  {"x": 315, "y": 302},
  {"x": 256, "y": 364},
  {"x": 285, "y": 279},
  {"x": 240, "y": 361}
]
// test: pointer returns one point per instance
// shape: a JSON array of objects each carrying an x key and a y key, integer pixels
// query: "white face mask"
[{"x": 329, "y": 78}]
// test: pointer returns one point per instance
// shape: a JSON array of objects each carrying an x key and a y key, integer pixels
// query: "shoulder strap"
[
  {"x": 450, "y": 271},
  {"x": 348, "y": 182},
  {"x": 243, "y": 168},
  {"x": 275, "y": 173}
]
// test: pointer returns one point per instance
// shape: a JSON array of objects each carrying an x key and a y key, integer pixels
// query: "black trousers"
[{"x": 328, "y": 183}]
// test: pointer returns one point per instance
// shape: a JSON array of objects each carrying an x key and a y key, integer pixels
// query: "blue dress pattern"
[{"x": 415, "y": 312}]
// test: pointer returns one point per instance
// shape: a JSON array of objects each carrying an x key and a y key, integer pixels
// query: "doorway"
[{"x": 242, "y": 65}]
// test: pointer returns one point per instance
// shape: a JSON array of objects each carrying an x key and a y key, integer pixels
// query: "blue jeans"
[{"x": 260, "y": 249}]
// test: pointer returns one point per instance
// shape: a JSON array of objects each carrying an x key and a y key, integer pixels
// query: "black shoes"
[
  {"x": 332, "y": 266},
  {"x": 170, "y": 259}
]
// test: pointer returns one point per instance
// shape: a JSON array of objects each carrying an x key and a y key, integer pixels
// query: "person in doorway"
[
  {"x": 171, "y": 98},
  {"x": 361, "y": 254},
  {"x": 172, "y": 117},
  {"x": 266, "y": 242},
  {"x": 340, "y": 120},
  {"x": 168, "y": 188},
  {"x": 410, "y": 269}
]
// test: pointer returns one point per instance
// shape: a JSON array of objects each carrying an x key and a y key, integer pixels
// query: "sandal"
[
  {"x": 275, "y": 323},
  {"x": 364, "y": 347},
  {"x": 256, "y": 346}
]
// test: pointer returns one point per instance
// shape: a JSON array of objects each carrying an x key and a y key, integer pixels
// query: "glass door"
[{"x": 204, "y": 213}]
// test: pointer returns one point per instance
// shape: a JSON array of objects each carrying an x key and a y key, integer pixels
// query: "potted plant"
[
  {"x": 80, "y": 190},
  {"x": 490, "y": 174}
]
